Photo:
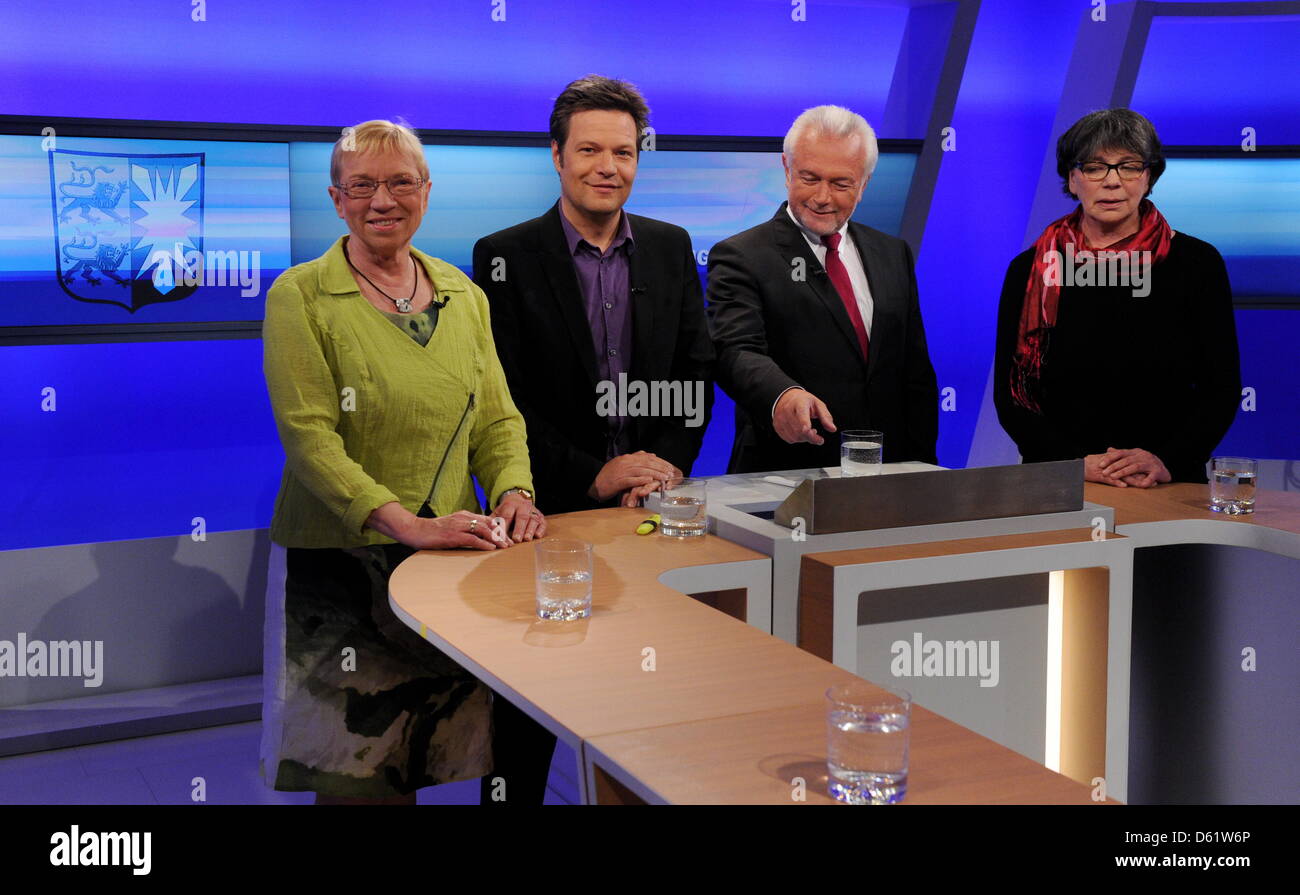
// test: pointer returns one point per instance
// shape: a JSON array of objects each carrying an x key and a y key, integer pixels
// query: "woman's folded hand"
[
  {"x": 459, "y": 529},
  {"x": 520, "y": 518}
]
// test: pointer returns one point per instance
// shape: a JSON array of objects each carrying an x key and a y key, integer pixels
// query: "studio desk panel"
[{"x": 1091, "y": 611}]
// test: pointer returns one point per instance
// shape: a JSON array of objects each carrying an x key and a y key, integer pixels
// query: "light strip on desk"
[{"x": 1055, "y": 639}]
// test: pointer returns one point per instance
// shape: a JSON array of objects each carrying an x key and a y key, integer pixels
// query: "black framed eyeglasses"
[
  {"x": 1101, "y": 170},
  {"x": 360, "y": 188}
]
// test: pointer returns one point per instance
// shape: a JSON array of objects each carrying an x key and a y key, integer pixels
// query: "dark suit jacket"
[
  {"x": 772, "y": 331},
  {"x": 544, "y": 341}
]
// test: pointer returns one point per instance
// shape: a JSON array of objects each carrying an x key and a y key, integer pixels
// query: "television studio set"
[{"x": 499, "y": 316}]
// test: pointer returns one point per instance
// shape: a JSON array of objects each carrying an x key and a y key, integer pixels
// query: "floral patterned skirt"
[{"x": 357, "y": 704}]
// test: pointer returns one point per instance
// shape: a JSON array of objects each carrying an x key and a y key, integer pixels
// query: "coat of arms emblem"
[{"x": 124, "y": 225}]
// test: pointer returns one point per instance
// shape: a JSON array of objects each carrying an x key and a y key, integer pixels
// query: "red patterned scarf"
[{"x": 1038, "y": 314}]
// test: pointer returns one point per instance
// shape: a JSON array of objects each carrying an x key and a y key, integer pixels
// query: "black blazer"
[
  {"x": 545, "y": 345},
  {"x": 773, "y": 330}
]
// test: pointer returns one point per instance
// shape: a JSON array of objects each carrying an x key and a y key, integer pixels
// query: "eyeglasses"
[
  {"x": 397, "y": 186},
  {"x": 1101, "y": 170}
]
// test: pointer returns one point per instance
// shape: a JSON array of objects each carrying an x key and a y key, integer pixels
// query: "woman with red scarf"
[{"x": 1116, "y": 340}]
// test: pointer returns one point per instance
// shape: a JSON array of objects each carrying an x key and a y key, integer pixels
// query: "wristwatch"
[{"x": 527, "y": 495}]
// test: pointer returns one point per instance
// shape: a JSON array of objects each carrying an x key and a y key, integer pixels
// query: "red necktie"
[{"x": 844, "y": 286}]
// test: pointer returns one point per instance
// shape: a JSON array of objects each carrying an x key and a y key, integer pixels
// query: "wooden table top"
[
  {"x": 1185, "y": 500},
  {"x": 753, "y": 759},
  {"x": 590, "y": 675},
  {"x": 721, "y": 690}
]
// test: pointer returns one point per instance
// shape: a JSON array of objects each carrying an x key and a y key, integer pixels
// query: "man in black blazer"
[
  {"x": 576, "y": 291},
  {"x": 815, "y": 318},
  {"x": 598, "y": 319}
]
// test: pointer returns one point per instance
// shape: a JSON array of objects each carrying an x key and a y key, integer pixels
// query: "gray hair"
[
  {"x": 1109, "y": 129},
  {"x": 834, "y": 121}
]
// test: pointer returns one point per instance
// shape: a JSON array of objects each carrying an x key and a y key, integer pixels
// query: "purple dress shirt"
[{"x": 606, "y": 296}]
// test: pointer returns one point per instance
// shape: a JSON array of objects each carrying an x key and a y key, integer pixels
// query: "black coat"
[
  {"x": 1158, "y": 372},
  {"x": 544, "y": 341}
]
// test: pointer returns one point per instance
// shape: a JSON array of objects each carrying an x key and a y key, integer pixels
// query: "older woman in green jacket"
[{"x": 389, "y": 399}]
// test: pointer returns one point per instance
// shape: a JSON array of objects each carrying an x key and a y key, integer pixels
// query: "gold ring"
[{"x": 472, "y": 523}]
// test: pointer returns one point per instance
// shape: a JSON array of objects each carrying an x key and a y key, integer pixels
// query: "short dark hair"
[
  {"x": 1109, "y": 129},
  {"x": 596, "y": 92}
]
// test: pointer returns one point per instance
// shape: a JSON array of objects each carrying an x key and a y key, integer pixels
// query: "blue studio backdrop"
[{"x": 134, "y": 438}]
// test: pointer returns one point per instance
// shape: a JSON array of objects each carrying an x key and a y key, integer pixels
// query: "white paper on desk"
[
  {"x": 888, "y": 468},
  {"x": 781, "y": 480}
]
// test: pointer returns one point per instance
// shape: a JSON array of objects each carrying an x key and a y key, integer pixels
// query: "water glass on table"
[
  {"x": 684, "y": 508},
  {"x": 861, "y": 452},
  {"x": 1232, "y": 485},
  {"x": 867, "y": 738},
  {"x": 563, "y": 579}
]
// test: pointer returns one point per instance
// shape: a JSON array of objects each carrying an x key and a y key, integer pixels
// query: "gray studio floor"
[{"x": 159, "y": 770}]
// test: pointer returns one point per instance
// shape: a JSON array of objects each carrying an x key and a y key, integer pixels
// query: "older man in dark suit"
[{"x": 815, "y": 318}]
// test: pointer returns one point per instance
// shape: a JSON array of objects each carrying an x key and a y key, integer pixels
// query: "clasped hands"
[
  {"x": 514, "y": 521},
  {"x": 1125, "y": 467},
  {"x": 635, "y": 476}
]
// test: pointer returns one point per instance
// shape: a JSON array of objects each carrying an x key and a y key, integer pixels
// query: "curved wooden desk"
[
  {"x": 1088, "y": 724},
  {"x": 654, "y": 677},
  {"x": 1179, "y": 514}
]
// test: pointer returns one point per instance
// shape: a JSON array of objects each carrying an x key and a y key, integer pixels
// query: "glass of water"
[
  {"x": 684, "y": 508},
  {"x": 1232, "y": 485},
  {"x": 861, "y": 452},
  {"x": 867, "y": 733},
  {"x": 563, "y": 579}
]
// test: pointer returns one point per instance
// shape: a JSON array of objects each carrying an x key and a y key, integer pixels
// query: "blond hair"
[{"x": 378, "y": 135}]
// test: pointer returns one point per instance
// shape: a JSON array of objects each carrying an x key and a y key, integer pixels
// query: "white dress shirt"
[{"x": 852, "y": 263}]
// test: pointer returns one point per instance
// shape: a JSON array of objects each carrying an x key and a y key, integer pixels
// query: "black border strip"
[
  {"x": 119, "y": 128},
  {"x": 1232, "y": 150},
  {"x": 87, "y": 333},
  {"x": 1231, "y": 8}
]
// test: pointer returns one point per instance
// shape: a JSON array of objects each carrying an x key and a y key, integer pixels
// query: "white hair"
[{"x": 833, "y": 121}]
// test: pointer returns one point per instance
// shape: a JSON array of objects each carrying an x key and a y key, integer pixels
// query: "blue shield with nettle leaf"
[{"x": 128, "y": 229}]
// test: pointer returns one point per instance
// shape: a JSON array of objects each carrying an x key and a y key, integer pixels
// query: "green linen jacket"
[{"x": 368, "y": 416}]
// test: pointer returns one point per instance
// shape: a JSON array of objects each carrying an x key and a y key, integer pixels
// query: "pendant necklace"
[{"x": 402, "y": 304}]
